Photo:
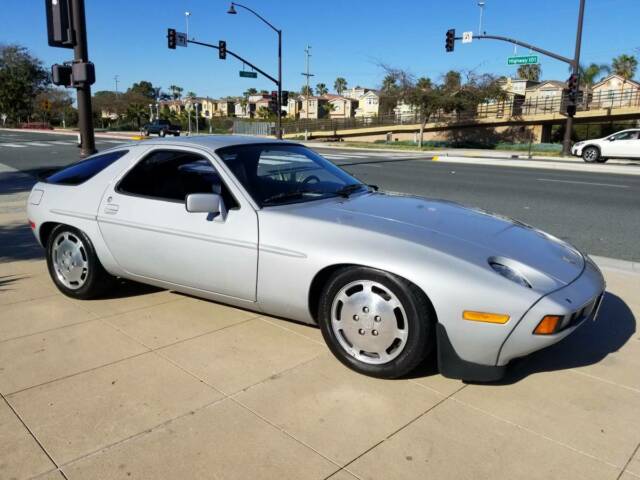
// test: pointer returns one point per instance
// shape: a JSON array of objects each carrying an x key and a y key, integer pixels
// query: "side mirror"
[
  {"x": 203, "y": 203},
  {"x": 612, "y": 139}
]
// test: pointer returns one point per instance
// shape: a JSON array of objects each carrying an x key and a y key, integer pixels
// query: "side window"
[
  {"x": 172, "y": 175},
  {"x": 82, "y": 171}
]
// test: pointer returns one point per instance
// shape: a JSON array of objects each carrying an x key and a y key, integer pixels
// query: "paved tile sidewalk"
[{"x": 153, "y": 384}]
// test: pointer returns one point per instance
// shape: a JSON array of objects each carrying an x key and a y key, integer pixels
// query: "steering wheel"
[{"x": 311, "y": 178}]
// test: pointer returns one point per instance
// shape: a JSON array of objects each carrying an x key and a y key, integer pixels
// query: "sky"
[{"x": 349, "y": 38}]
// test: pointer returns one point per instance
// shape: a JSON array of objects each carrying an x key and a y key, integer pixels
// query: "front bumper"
[
  {"x": 576, "y": 150},
  {"x": 577, "y": 303}
]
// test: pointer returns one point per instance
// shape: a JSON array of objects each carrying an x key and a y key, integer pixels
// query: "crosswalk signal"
[
  {"x": 450, "y": 40},
  {"x": 222, "y": 49},
  {"x": 171, "y": 38}
]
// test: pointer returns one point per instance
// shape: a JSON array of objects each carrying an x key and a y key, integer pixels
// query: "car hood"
[{"x": 496, "y": 236}]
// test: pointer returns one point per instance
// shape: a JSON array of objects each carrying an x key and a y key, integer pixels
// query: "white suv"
[{"x": 624, "y": 144}]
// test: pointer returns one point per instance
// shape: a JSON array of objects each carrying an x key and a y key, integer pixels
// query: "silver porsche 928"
[{"x": 274, "y": 227}]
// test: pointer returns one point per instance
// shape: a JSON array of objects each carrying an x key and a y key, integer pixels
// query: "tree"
[
  {"x": 321, "y": 89},
  {"x": 327, "y": 108},
  {"x": 22, "y": 78},
  {"x": 306, "y": 91},
  {"x": 137, "y": 112},
  {"x": 264, "y": 113},
  {"x": 176, "y": 91},
  {"x": 144, "y": 89},
  {"x": 590, "y": 73},
  {"x": 625, "y": 66},
  {"x": 55, "y": 105},
  {"x": 452, "y": 81},
  {"x": 530, "y": 72},
  {"x": 340, "y": 85},
  {"x": 249, "y": 92}
]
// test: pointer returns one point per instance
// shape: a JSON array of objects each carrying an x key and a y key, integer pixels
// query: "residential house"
[
  {"x": 225, "y": 108},
  {"x": 355, "y": 93},
  {"x": 368, "y": 104},
  {"x": 544, "y": 97},
  {"x": 404, "y": 110},
  {"x": 312, "y": 107},
  {"x": 341, "y": 107},
  {"x": 615, "y": 90},
  {"x": 294, "y": 105}
]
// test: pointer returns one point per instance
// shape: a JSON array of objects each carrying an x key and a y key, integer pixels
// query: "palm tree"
[
  {"x": 264, "y": 113},
  {"x": 625, "y": 66},
  {"x": 176, "y": 91},
  {"x": 136, "y": 111},
  {"x": 327, "y": 108},
  {"x": 321, "y": 89},
  {"x": 589, "y": 74},
  {"x": 530, "y": 72},
  {"x": 249, "y": 92},
  {"x": 340, "y": 85},
  {"x": 388, "y": 83},
  {"x": 306, "y": 91}
]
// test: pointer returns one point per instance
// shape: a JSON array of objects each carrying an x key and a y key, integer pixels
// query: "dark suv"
[{"x": 161, "y": 127}]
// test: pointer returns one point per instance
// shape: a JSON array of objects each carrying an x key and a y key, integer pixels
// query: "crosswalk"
[
  {"x": 51, "y": 143},
  {"x": 368, "y": 155}
]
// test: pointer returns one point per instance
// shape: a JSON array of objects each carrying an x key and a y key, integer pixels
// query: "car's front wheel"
[
  {"x": 591, "y": 154},
  {"x": 74, "y": 265},
  {"x": 376, "y": 323},
  {"x": 145, "y": 132},
  {"x": 161, "y": 133}
]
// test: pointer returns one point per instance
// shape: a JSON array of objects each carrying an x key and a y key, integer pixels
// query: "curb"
[{"x": 608, "y": 263}]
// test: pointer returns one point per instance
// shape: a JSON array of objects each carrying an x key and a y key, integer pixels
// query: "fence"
[{"x": 248, "y": 127}]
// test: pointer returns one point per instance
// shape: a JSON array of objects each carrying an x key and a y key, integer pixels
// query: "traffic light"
[
  {"x": 572, "y": 87},
  {"x": 171, "y": 38},
  {"x": 222, "y": 49},
  {"x": 274, "y": 99},
  {"x": 285, "y": 98},
  {"x": 450, "y": 40}
]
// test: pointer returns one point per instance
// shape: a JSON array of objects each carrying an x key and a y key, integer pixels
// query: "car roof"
[{"x": 214, "y": 142}]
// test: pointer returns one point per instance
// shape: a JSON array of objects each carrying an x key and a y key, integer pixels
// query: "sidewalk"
[{"x": 154, "y": 384}]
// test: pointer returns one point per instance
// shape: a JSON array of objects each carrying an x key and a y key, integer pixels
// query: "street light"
[
  {"x": 232, "y": 11},
  {"x": 186, "y": 17}
]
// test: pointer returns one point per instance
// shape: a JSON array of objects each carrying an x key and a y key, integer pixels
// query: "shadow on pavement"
[
  {"x": 16, "y": 182},
  {"x": 588, "y": 345},
  {"x": 7, "y": 281},
  {"x": 18, "y": 243}
]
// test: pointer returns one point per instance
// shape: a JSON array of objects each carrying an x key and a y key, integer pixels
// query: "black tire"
[
  {"x": 602, "y": 160},
  {"x": 177, "y": 134},
  {"x": 591, "y": 154},
  {"x": 97, "y": 280},
  {"x": 145, "y": 133},
  {"x": 162, "y": 133},
  {"x": 420, "y": 322}
]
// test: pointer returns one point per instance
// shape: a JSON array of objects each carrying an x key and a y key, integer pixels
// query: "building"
[
  {"x": 615, "y": 90},
  {"x": 316, "y": 107},
  {"x": 341, "y": 107},
  {"x": 544, "y": 97},
  {"x": 368, "y": 104}
]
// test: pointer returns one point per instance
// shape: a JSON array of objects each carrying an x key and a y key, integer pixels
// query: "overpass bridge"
[{"x": 539, "y": 117}]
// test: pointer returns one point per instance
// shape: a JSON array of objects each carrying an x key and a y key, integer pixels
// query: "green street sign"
[
  {"x": 248, "y": 74},
  {"x": 523, "y": 60}
]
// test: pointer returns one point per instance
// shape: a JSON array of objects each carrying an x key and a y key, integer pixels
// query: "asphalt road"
[{"x": 597, "y": 212}]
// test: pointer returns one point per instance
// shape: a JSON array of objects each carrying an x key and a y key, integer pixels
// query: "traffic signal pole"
[
  {"x": 574, "y": 63},
  {"x": 566, "y": 142},
  {"x": 83, "y": 96}
]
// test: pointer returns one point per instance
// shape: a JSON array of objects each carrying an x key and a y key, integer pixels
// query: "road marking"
[
  {"x": 37, "y": 144},
  {"x": 61, "y": 142},
  {"x": 582, "y": 183},
  {"x": 111, "y": 141},
  {"x": 12, "y": 145}
]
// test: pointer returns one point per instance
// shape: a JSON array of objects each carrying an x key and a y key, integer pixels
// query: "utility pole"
[
  {"x": 81, "y": 55},
  {"x": 116, "y": 77},
  {"x": 566, "y": 143},
  {"x": 186, "y": 17},
  {"x": 307, "y": 52}
]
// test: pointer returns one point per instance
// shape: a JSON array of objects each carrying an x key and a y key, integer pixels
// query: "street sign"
[
  {"x": 523, "y": 60},
  {"x": 181, "y": 39},
  {"x": 467, "y": 37},
  {"x": 248, "y": 74}
]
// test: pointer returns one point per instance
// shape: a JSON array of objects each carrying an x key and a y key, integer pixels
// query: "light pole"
[
  {"x": 481, "y": 4},
  {"x": 151, "y": 112},
  {"x": 186, "y": 17},
  {"x": 566, "y": 142},
  {"x": 307, "y": 52},
  {"x": 232, "y": 11}
]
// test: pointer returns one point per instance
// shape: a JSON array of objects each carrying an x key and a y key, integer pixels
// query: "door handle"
[{"x": 111, "y": 208}]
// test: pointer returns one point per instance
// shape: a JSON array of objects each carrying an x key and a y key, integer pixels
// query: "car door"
[
  {"x": 148, "y": 230},
  {"x": 623, "y": 145}
]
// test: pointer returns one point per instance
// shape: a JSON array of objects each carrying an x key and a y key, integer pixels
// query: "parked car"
[
  {"x": 160, "y": 127},
  {"x": 624, "y": 144},
  {"x": 274, "y": 227}
]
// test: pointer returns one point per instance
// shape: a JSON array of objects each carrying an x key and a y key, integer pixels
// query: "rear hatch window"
[{"x": 80, "y": 172}]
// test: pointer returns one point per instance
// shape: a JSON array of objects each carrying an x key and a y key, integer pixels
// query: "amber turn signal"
[
  {"x": 548, "y": 325},
  {"x": 485, "y": 317}
]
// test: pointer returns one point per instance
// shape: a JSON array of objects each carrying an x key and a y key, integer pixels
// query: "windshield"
[{"x": 280, "y": 174}]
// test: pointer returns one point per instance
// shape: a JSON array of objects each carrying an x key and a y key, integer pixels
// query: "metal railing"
[{"x": 503, "y": 109}]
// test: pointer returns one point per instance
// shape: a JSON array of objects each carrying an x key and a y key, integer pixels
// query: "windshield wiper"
[
  {"x": 283, "y": 196},
  {"x": 349, "y": 189}
]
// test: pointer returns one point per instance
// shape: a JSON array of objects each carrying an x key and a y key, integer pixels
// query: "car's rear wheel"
[
  {"x": 162, "y": 133},
  {"x": 591, "y": 154},
  {"x": 73, "y": 264},
  {"x": 145, "y": 132},
  {"x": 376, "y": 323}
]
